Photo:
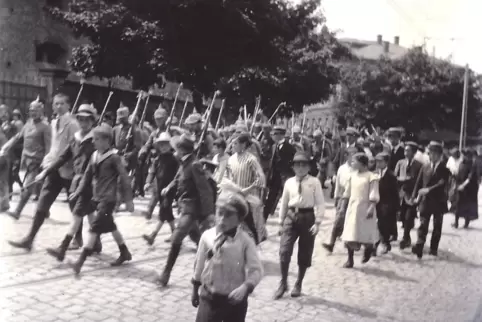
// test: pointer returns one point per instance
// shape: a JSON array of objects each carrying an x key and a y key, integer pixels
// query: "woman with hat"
[
  {"x": 360, "y": 196},
  {"x": 245, "y": 171},
  {"x": 227, "y": 266}
]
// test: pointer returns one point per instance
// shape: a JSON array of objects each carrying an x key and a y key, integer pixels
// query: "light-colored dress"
[
  {"x": 361, "y": 190},
  {"x": 244, "y": 170}
]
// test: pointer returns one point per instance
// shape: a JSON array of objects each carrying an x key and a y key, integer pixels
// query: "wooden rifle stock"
[
  {"x": 206, "y": 124},
  {"x": 130, "y": 133}
]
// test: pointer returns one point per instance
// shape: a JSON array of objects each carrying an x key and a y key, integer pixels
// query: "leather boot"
[
  {"x": 124, "y": 256},
  {"x": 77, "y": 266},
  {"x": 59, "y": 252},
  {"x": 27, "y": 242},
  {"x": 24, "y": 197},
  {"x": 418, "y": 250},
  {"x": 283, "y": 285},
  {"x": 149, "y": 239},
  {"x": 97, "y": 246},
  {"x": 296, "y": 292},
  {"x": 78, "y": 242},
  {"x": 163, "y": 280},
  {"x": 367, "y": 254},
  {"x": 349, "y": 263}
]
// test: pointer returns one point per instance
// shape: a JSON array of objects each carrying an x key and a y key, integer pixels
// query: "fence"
[{"x": 18, "y": 91}]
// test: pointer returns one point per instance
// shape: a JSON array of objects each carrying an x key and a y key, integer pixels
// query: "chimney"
[
  {"x": 396, "y": 40},
  {"x": 386, "y": 47},
  {"x": 379, "y": 39}
]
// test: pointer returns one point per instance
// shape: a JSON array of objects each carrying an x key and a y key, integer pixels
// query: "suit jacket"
[
  {"x": 435, "y": 202},
  {"x": 62, "y": 134},
  {"x": 387, "y": 188},
  {"x": 120, "y": 143},
  {"x": 395, "y": 156},
  {"x": 193, "y": 190},
  {"x": 283, "y": 159},
  {"x": 407, "y": 176}
]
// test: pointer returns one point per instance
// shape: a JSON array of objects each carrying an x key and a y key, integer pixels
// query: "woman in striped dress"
[{"x": 244, "y": 170}]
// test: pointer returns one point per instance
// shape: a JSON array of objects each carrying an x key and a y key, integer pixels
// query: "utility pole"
[{"x": 463, "y": 118}]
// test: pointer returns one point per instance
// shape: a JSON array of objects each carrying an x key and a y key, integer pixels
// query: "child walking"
[
  {"x": 163, "y": 171},
  {"x": 301, "y": 211},
  {"x": 103, "y": 173},
  {"x": 227, "y": 266}
]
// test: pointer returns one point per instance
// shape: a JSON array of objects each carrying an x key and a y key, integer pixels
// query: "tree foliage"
[
  {"x": 246, "y": 48},
  {"x": 416, "y": 92}
]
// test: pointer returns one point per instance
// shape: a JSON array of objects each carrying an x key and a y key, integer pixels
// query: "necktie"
[{"x": 57, "y": 125}]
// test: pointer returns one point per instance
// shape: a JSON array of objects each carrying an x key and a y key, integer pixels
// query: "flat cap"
[
  {"x": 435, "y": 145},
  {"x": 279, "y": 129},
  {"x": 87, "y": 110},
  {"x": 184, "y": 142},
  {"x": 412, "y": 145},
  {"x": 104, "y": 129}
]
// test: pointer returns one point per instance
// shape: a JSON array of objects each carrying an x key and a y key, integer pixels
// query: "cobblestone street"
[{"x": 392, "y": 287}]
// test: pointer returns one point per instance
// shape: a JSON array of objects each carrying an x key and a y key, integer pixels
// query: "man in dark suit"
[
  {"x": 397, "y": 150},
  {"x": 432, "y": 199},
  {"x": 389, "y": 200},
  {"x": 407, "y": 171},
  {"x": 280, "y": 170}
]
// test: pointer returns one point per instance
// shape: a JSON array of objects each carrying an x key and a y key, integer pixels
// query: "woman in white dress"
[
  {"x": 360, "y": 196},
  {"x": 244, "y": 170}
]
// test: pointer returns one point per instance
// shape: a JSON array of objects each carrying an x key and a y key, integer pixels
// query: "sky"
[{"x": 448, "y": 28}]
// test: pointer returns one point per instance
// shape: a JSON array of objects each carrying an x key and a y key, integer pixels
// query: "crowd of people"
[{"x": 226, "y": 183}]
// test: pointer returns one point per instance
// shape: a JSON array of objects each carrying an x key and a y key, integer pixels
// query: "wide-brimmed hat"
[
  {"x": 185, "y": 142},
  {"x": 232, "y": 195},
  {"x": 87, "y": 110},
  {"x": 301, "y": 157},
  {"x": 164, "y": 137}
]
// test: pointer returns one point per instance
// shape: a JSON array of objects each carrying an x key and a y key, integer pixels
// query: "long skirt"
[{"x": 467, "y": 210}]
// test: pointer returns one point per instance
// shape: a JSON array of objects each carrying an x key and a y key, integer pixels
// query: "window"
[{"x": 49, "y": 52}]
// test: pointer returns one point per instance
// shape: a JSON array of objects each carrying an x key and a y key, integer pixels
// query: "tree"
[
  {"x": 417, "y": 92},
  {"x": 247, "y": 48}
]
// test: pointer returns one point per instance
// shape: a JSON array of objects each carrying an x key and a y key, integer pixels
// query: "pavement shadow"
[
  {"x": 391, "y": 275},
  {"x": 314, "y": 301},
  {"x": 450, "y": 257}
]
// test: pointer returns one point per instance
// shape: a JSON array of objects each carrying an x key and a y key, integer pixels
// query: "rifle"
[
  {"x": 218, "y": 122},
  {"x": 206, "y": 124},
  {"x": 144, "y": 112},
  {"x": 130, "y": 133},
  {"x": 74, "y": 107},
  {"x": 271, "y": 118},
  {"x": 256, "y": 111},
  {"x": 101, "y": 118},
  {"x": 169, "y": 123},
  {"x": 183, "y": 112}
]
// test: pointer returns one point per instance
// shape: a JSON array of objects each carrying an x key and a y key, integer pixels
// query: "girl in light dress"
[{"x": 360, "y": 199}]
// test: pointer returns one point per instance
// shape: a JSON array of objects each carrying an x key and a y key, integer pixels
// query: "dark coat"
[
  {"x": 435, "y": 202},
  {"x": 395, "y": 156},
  {"x": 407, "y": 176},
  {"x": 389, "y": 197}
]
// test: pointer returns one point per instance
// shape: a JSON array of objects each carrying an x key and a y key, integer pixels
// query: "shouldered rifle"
[
  {"x": 144, "y": 112},
  {"x": 169, "y": 121},
  {"x": 101, "y": 118},
  {"x": 130, "y": 133},
  {"x": 206, "y": 123},
  {"x": 271, "y": 118}
]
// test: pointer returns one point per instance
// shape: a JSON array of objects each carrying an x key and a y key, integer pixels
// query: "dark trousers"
[
  {"x": 339, "y": 222},
  {"x": 436, "y": 232},
  {"x": 218, "y": 308},
  {"x": 51, "y": 188},
  {"x": 14, "y": 176},
  {"x": 297, "y": 227},
  {"x": 387, "y": 219},
  {"x": 408, "y": 214},
  {"x": 274, "y": 194}
]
